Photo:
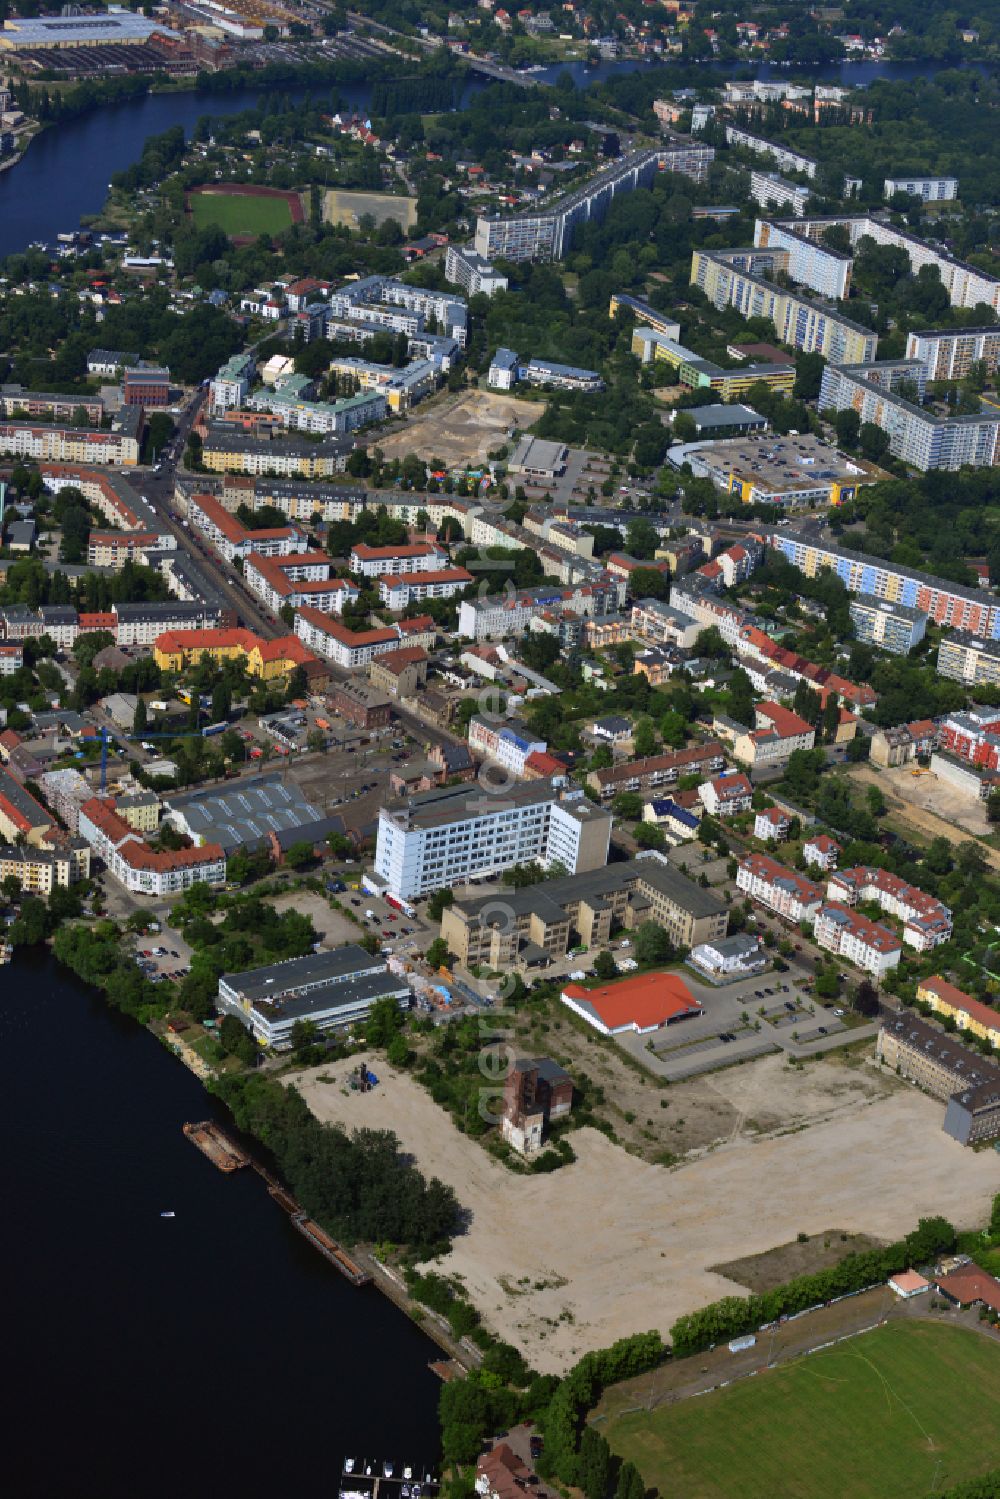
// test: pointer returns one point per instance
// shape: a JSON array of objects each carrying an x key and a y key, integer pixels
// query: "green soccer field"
[
  {"x": 911, "y": 1408},
  {"x": 238, "y": 215}
]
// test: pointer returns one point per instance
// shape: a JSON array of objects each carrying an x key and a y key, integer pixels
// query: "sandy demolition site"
[{"x": 562, "y": 1263}]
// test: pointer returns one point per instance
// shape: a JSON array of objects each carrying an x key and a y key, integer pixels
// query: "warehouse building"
[
  {"x": 265, "y": 812},
  {"x": 330, "y": 989},
  {"x": 946, "y": 1069}
]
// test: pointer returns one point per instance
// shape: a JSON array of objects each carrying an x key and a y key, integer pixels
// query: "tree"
[
  {"x": 222, "y": 702},
  {"x": 299, "y": 855},
  {"x": 438, "y": 955},
  {"x": 315, "y": 741},
  {"x": 651, "y": 945},
  {"x": 628, "y": 805},
  {"x": 605, "y": 967},
  {"x": 847, "y": 425},
  {"x": 808, "y": 376},
  {"x": 383, "y": 1022},
  {"x": 439, "y": 903},
  {"x": 875, "y": 801},
  {"x": 237, "y": 1040},
  {"x": 865, "y": 999},
  {"x": 140, "y": 717},
  {"x": 630, "y": 1483},
  {"x": 873, "y": 441},
  {"x": 594, "y": 1465},
  {"x": 644, "y": 738}
]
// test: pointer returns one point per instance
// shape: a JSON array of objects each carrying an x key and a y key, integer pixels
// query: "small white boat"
[
  {"x": 388, "y": 1469},
  {"x": 348, "y": 1465},
  {"x": 168, "y": 1215}
]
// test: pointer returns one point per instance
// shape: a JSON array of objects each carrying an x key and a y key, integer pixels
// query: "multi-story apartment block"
[
  {"x": 894, "y": 627},
  {"x": 782, "y": 890},
  {"x": 384, "y": 302},
  {"x": 966, "y": 658},
  {"x": 785, "y": 157},
  {"x": 968, "y": 1014},
  {"x": 118, "y": 446},
  {"x": 916, "y": 435},
  {"x": 504, "y": 742},
  {"x": 226, "y": 451},
  {"x": 898, "y": 746},
  {"x": 465, "y": 268},
  {"x": 772, "y": 191},
  {"x": 727, "y": 794},
  {"x": 852, "y": 936},
  {"x": 661, "y": 623},
  {"x": 353, "y": 649},
  {"x": 18, "y": 402},
  {"x": 401, "y": 589},
  {"x": 656, "y": 771},
  {"x": 584, "y": 907},
  {"x": 401, "y": 388},
  {"x": 926, "y": 921},
  {"x": 806, "y": 261},
  {"x": 140, "y": 624},
  {"x": 950, "y": 353},
  {"x": 297, "y": 579},
  {"x": 772, "y": 825},
  {"x": 547, "y": 233},
  {"x": 267, "y": 660},
  {"x": 966, "y": 285},
  {"x": 809, "y": 326},
  {"x": 499, "y": 615},
  {"x": 232, "y": 539},
  {"x": 389, "y": 561},
  {"x": 323, "y": 418},
  {"x": 944, "y": 603},
  {"x": 930, "y": 189},
  {"x": 443, "y": 838},
  {"x": 779, "y": 732},
  {"x": 946, "y": 1069},
  {"x": 972, "y": 736},
  {"x": 12, "y": 657},
  {"x": 644, "y": 314},
  {"x": 42, "y": 870},
  {"x": 141, "y": 869},
  {"x": 821, "y": 851},
  {"x": 231, "y": 386}
]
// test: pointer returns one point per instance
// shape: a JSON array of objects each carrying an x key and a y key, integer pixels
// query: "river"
[
  {"x": 66, "y": 170},
  {"x": 213, "y": 1352}
]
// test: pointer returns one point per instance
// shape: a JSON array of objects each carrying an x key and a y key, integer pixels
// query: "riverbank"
[{"x": 151, "y": 1319}]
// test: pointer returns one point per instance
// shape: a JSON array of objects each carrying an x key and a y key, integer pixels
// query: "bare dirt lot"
[
  {"x": 610, "y": 1245},
  {"x": 760, "y": 1097},
  {"x": 348, "y": 207},
  {"x": 461, "y": 429},
  {"x": 925, "y": 806}
]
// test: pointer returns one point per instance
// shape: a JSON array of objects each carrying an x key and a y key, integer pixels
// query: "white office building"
[{"x": 458, "y": 834}]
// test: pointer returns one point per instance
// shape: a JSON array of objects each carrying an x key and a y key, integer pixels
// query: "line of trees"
[
  {"x": 359, "y": 1186},
  {"x": 735, "y": 1315}
]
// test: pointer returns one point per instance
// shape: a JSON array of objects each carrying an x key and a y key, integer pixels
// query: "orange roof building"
[
  {"x": 268, "y": 660},
  {"x": 645, "y": 1003}
]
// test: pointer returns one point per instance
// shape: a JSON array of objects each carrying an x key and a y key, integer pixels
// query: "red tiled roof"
[
  {"x": 383, "y": 554},
  {"x": 959, "y": 1000},
  {"x": 646, "y": 1000},
  {"x": 173, "y": 641},
  {"x": 786, "y": 723},
  {"x": 971, "y": 1284},
  {"x": 545, "y": 764},
  {"x": 411, "y": 580}
]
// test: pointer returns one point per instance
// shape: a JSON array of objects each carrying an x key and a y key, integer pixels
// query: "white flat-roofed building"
[
  {"x": 467, "y": 269},
  {"x": 895, "y": 627},
  {"x": 930, "y": 189},
  {"x": 329, "y": 989},
  {"x": 785, "y": 156},
  {"x": 770, "y": 190},
  {"x": 964, "y": 657},
  {"x": 730, "y": 957},
  {"x": 950, "y": 353},
  {"x": 458, "y": 834},
  {"x": 502, "y": 373}
]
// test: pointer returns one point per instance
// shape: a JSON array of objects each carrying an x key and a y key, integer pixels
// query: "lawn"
[
  {"x": 240, "y": 215},
  {"x": 888, "y": 1413}
]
